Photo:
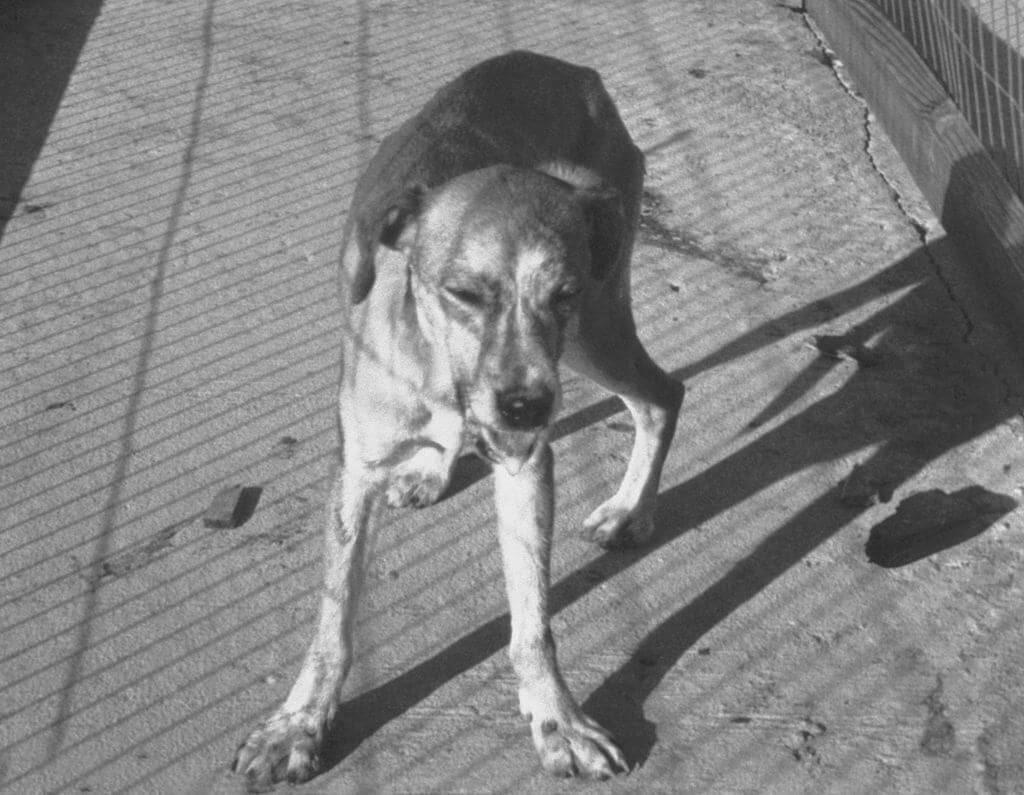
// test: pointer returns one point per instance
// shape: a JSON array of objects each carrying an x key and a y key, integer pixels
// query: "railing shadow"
[{"x": 139, "y": 380}]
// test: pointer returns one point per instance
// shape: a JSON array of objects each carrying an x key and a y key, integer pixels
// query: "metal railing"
[{"x": 974, "y": 48}]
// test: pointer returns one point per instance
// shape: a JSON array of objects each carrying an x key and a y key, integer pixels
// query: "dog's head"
[{"x": 499, "y": 261}]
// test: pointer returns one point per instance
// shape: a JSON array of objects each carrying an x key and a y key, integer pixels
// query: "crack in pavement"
[{"x": 920, "y": 226}]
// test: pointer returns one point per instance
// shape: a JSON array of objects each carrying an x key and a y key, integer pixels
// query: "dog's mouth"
[{"x": 509, "y": 449}]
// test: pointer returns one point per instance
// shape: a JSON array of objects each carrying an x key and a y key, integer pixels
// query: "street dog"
[{"x": 488, "y": 240}]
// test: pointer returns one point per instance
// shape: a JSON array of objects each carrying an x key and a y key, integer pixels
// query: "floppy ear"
[
  {"x": 398, "y": 230},
  {"x": 602, "y": 208},
  {"x": 395, "y": 228}
]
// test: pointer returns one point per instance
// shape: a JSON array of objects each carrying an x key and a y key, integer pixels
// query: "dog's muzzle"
[
  {"x": 508, "y": 424},
  {"x": 525, "y": 409}
]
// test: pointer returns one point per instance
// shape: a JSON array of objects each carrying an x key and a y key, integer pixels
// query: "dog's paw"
[
  {"x": 285, "y": 748},
  {"x": 614, "y": 526},
  {"x": 419, "y": 480},
  {"x": 575, "y": 745},
  {"x": 414, "y": 488}
]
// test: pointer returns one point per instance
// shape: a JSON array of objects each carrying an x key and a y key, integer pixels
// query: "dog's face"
[{"x": 499, "y": 260}]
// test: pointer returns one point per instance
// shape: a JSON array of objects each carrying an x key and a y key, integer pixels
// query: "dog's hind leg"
[
  {"x": 608, "y": 351},
  {"x": 287, "y": 746},
  {"x": 568, "y": 742}
]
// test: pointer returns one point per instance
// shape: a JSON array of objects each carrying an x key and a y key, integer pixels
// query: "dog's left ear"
[
  {"x": 602, "y": 208},
  {"x": 395, "y": 228},
  {"x": 398, "y": 230}
]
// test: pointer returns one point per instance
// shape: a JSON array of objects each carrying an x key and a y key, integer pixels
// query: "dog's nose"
[{"x": 524, "y": 409}]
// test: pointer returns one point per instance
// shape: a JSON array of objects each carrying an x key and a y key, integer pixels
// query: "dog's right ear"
[
  {"x": 602, "y": 208},
  {"x": 395, "y": 228}
]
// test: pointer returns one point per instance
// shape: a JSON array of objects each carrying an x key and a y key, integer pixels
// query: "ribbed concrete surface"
[{"x": 177, "y": 176}]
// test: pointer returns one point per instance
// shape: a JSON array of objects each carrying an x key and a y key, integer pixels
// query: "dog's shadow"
[
  {"x": 906, "y": 441},
  {"x": 470, "y": 468}
]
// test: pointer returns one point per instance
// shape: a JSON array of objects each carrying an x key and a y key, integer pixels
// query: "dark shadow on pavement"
[
  {"x": 920, "y": 397},
  {"x": 40, "y": 41},
  {"x": 931, "y": 521}
]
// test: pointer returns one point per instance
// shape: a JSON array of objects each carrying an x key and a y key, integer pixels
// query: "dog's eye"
[{"x": 466, "y": 296}]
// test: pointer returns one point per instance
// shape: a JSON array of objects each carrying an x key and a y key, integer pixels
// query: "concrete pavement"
[{"x": 176, "y": 181}]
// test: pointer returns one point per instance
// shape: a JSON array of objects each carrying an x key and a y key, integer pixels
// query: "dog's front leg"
[
  {"x": 288, "y": 745},
  {"x": 569, "y": 742}
]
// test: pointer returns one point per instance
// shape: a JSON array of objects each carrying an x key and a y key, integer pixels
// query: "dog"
[{"x": 488, "y": 239}]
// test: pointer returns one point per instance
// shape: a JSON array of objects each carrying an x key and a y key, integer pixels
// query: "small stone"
[
  {"x": 840, "y": 347},
  {"x": 285, "y": 447},
  {"x": 862, "y": 490},
  {"x": 232, "y": 506}
]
